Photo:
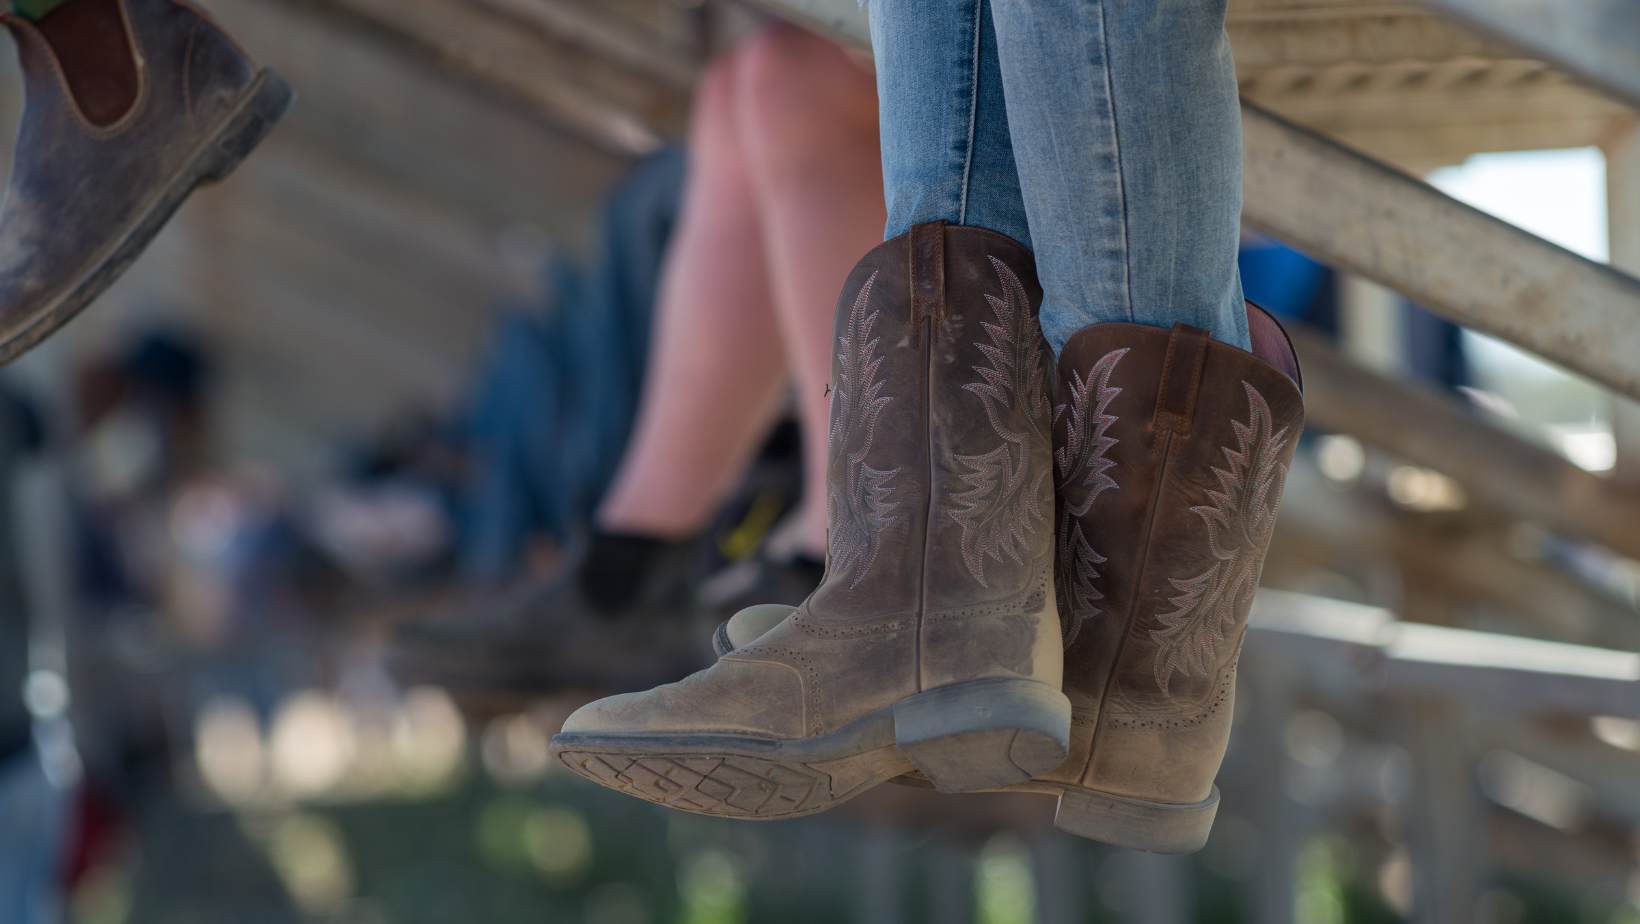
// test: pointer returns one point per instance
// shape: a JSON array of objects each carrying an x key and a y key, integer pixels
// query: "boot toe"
[
  {"x": 610, "y": 715},
  {"x": 732, "y": 697}
]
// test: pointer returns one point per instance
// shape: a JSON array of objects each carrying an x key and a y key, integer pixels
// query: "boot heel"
[
  {"x": 269, "y": 97},
  {"x": 1137, "y": 824},
  {"x": 984, "y": 734}
]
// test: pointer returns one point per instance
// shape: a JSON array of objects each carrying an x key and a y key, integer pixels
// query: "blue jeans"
[
  {"x": 36, "y": 815},
  {"x": 1104, "y": 134}
]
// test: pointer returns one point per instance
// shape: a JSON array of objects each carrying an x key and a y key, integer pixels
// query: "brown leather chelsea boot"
[
  {"x": 108, "y": 148},
  {"x": 933, "y": 641}
]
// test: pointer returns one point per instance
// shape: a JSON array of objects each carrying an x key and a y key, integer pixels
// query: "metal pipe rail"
[{"x": 1369, "y": 651}]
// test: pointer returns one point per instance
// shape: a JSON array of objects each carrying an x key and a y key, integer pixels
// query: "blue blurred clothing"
[
  {"x": 1282, "y": 280},
  {"x": 558, "y": 391},
  {"x": 36, "y": 815}
]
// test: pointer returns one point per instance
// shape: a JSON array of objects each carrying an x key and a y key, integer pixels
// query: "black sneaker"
[{"x": 619, "y": 614}]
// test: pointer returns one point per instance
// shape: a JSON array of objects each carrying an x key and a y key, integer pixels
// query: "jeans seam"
[
  {"x": 973, "y": 116},
  {"x": 1121, "y": 181}
]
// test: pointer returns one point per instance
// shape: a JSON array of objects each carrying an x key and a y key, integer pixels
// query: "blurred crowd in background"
[{"x": 201, "y": 653}]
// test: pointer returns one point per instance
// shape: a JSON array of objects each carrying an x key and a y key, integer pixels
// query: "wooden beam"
[
  {"x": 1362, "y": 216},
  {"x": 618, "y": 110},
  {"x": 1389, "y": 35},
  {"x": 1370, "y": 650},
  {"x": 591, "y": 28},
  {"x": 1429, "y": 429},
  {"x": 1598, "y": 40},
  {"x": 1327, "y": 527}
]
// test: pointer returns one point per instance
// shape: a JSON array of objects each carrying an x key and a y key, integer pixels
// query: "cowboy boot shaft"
[
  {"x": 932, "y": 642},
  {"x": 941, "y": 444},
  {"x": 1171, "y": 454}
]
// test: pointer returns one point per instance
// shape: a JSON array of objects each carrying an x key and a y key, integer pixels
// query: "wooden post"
[
  {"x": 1444, "y": 813},
  {"x": 882, "y": 863},
  {"x": 951, "y": 886},
  {"x": 1268, "y": 685},
  {"x": 1623, "y": 236},
  {"x": 1059, "y": 864},
  {"x": 1159, "y": 886},
  {"x": 1444, "y": 817}
]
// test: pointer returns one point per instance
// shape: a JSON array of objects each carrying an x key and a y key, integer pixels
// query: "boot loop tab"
[
  {"x": 1181, "y": 379},
  {"x": 927, "y": 271}
]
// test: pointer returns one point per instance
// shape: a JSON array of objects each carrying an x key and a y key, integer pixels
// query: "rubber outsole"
[
  {"x": 732, "y": 776},
  {"x": 984, "y": 734},
  {"x": 1137, "y": 824},
  {"x": 260, "y": 107},
  {"x": 964, "y": 737}
]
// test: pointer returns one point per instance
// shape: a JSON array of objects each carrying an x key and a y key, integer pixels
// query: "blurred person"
[
  {"x": 783, "y": 189},
  {"x": 1017, "y": 593},
  {"x": 36, "y": 795},
  {"x": 784, "y": 186},
  {"x": 537, "y": 468},
  {"x": 131, "y": 105}
]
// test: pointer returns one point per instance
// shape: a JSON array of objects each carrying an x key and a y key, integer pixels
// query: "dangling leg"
[
  {"x": 946, "y": 149},
  {"x": 932, "y": 643},
  {"x": 1127, "y": 131},
  {"x": 1172, "y": 438},
  {"x": 808, "y": 119},
  {"x": 714, "y": 381}
]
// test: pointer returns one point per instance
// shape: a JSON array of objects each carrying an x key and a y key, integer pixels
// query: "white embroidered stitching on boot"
[
  {"x": 862, "y": 510},
  {"x": 1083, "y": 464},
  {"x": 1001, "y": 502},
  {"x": 1239, "y": 520}
]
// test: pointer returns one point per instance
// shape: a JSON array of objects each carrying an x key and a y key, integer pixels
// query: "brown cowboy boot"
[
  {"x": 933, "y": 641},
  {"x": 1171, "y": 451},
  {"x": 110, "y": 146},
  {"x": 1170, "y": 454}
]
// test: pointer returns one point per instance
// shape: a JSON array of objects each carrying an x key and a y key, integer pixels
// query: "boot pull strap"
[
  {"x": 1181, "y": 378},
  {"x": 927, "y": 271}
]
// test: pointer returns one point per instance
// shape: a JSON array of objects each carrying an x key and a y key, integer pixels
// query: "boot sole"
[
  {"x": 964, "y": 737},
  {"x": 1024, "y": 733},
  {"x": 1137, "y": 824},
  {"x": 260, "y": 107},
  {"x": 1121, "y": 821},
  {"x": 984, "y": 734}
]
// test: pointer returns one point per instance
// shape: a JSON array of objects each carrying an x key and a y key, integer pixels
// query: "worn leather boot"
[
  {"x": 1170, "y": 454},
  {"x": 933, "y": 641},
  {"x": 90, "y": 186}
]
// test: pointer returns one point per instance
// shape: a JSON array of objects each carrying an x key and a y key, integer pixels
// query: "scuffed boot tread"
[{"x": 727, "y": 786}]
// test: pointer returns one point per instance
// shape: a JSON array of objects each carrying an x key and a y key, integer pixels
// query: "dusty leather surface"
[
  {"x": 1171, "y": 455},
  {"x": 76, "y": 186},
  {"x": 939, "y": 555}
]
